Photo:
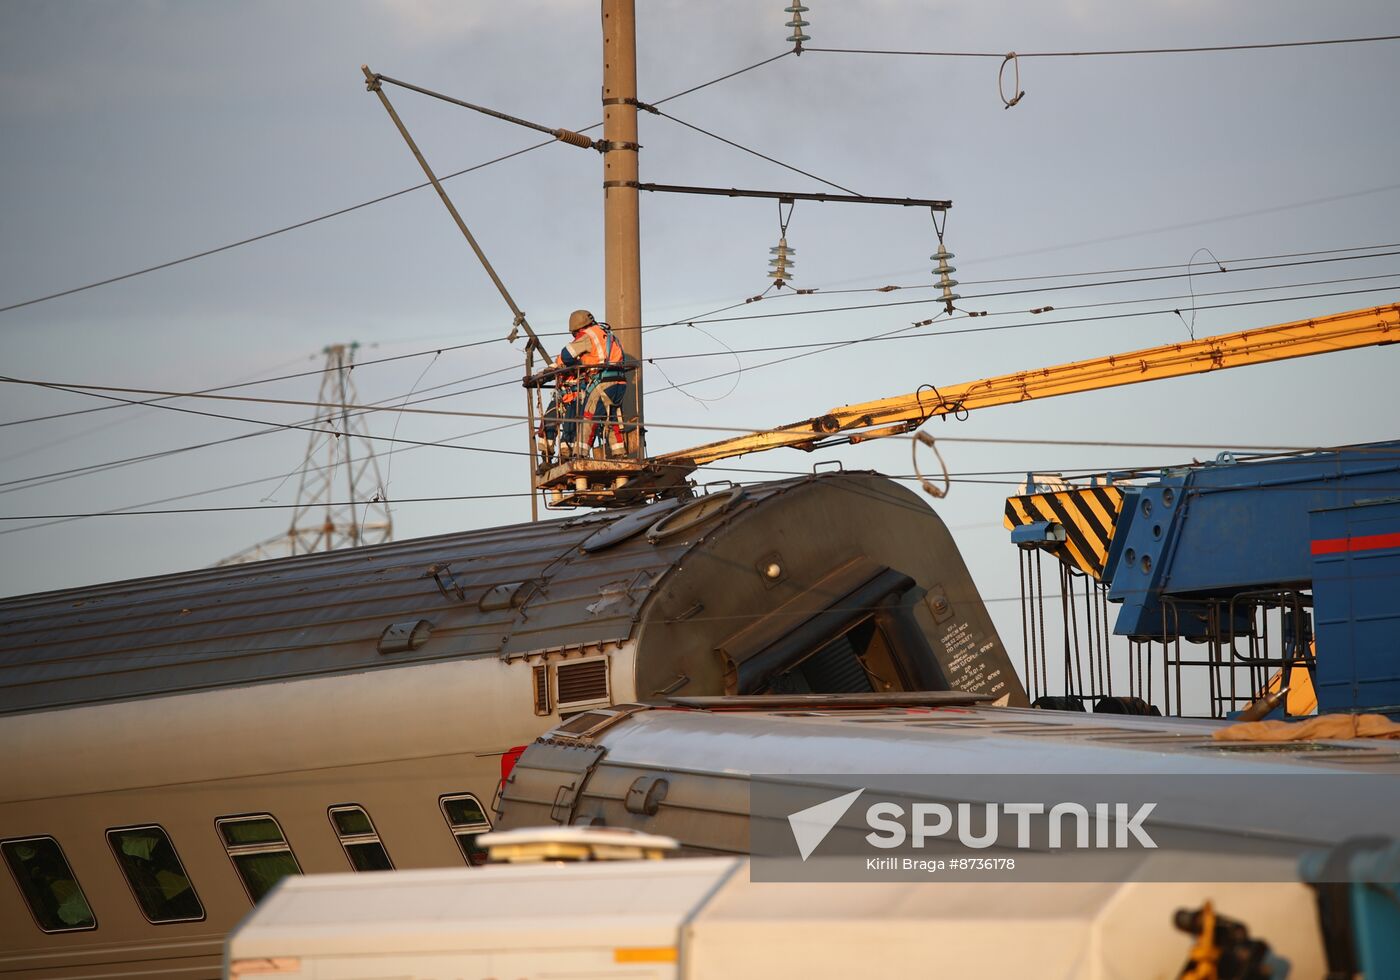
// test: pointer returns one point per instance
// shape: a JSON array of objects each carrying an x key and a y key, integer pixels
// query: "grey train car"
[
  {"x": 685, "y": 769},
  {"x": 173, "y": 746}
]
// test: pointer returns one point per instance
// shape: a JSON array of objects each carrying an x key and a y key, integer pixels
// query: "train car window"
[
  {"x": 467, "y": 820},
  {"x": 357, "y": 835},
  {"x": 155, "y": 874},
  {"x": 48, "y": 884},
  {"x": 259, "y": 851}
]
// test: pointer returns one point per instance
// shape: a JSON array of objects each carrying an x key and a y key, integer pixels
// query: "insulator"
[
  {"x": 797, "y": 8},
  {"x": 798, "y": 22},
  {"x": 942, "y": 272},
  {"x": 781, "y": 265},
  {"x": 799, "y": 37}
]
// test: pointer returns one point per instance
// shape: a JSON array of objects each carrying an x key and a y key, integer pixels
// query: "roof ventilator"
[
  {"x": 502, "y": 596},
  {"x": 645, "y": 794},
  {"x": 408, "y": 635}
]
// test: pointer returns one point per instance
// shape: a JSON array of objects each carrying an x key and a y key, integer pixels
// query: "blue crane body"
[{"x": 1190, "y": 552}]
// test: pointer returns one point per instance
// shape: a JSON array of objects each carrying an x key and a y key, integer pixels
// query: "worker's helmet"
[{"x": 580, "y": 320}]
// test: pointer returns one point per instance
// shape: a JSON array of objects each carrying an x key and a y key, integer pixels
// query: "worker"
[
  {"x": 559, "y": 419},
  {"x": 602, "y": 382}
]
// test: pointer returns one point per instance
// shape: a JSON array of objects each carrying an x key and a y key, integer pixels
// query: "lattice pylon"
[{"x": 341, "y": 498}]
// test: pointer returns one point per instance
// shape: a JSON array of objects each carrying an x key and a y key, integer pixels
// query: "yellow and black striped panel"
[{"x": 1087, "y": 514}]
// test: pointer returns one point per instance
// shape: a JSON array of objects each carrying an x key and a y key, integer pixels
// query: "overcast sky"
[{"x": 140, "y": 132}]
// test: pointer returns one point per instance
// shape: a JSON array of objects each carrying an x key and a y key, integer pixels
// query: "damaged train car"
[{"x": 174, "y": 746}]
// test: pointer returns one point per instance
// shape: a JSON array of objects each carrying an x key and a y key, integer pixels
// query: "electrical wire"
[
  {"x": 1067, "y": 472},
  {"x": 247, "y": 507},
  {"x": 1180, "y": 226},
  {"x": 261, "y": 381},
  {"x": 1017, "y": 326},
  {"x": 356, "y": 207},
  {"x": 1082, "y": 306},
  {"x": 1113, "y": 53},
  {"x": 888, "y": 288},
  {"x": 805, "y": 349},
  {"x": 1037, "y": 289},
  {"x": 31, "y": 482},
  {"x": 702, "y": 317},
  {"x": 236, "y": 486},
  {"x": 114, "y": 464},
  {"x": 750, "y": 150},
  {"x": 269, "y": 428},
  {"x": 235, "y": 508}
]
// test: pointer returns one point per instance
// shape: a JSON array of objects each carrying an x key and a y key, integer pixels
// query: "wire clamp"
[{"x": 644, "y": 106}]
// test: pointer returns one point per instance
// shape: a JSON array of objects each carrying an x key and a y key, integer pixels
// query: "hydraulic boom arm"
[{"x": 903, "y": 413}]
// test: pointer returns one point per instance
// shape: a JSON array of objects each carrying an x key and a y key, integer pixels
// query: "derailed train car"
[
  {"x": 174, "y": 746},
  {"x": 1221, "y": 892}
]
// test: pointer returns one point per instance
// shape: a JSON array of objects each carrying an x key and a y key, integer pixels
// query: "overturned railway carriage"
[{"x": 173, "y": 746}]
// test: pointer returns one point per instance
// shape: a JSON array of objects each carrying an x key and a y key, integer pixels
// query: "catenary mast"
[{"x": 621, "y": 227}]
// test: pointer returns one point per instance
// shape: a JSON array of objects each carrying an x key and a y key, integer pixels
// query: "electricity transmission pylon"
[{"x": 341, "y": 499}]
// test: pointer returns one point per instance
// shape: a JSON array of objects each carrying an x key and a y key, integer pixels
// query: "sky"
[{"x": 142, "y": 132}]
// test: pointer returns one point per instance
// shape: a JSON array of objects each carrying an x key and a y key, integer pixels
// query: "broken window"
[
  {"x": 155, "y": 874},
  {"x": 48, "y": 884}
]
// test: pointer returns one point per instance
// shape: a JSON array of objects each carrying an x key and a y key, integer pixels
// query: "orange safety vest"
[{"x": 604, "y": 348}]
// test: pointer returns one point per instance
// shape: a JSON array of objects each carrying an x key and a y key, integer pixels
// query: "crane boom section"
[{"x": 891, "y": 416}]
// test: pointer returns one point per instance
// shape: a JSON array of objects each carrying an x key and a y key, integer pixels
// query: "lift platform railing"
[
  {"x": 583, "y": 462},
  {"x": 562, "y": 422}
]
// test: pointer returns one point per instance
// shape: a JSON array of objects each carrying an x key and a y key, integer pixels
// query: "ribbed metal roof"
[{"x": 325, "y": 613}]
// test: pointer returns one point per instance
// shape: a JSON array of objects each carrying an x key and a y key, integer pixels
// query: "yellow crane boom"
[{"x": 903, "y": 413}]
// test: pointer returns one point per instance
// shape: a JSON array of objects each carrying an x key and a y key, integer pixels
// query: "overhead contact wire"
[{"x": 1195, "y": 49}]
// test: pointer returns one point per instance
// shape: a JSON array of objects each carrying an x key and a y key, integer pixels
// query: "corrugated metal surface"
[
  {"x": 324, "y": 613},
  {"x": 1356, "y": 568}
]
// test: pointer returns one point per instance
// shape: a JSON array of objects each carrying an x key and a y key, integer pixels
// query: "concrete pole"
[{"x": 621, "y": 227}]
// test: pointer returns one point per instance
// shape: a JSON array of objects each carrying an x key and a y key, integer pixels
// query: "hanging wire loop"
[
  {"x": 929, "y": 487},
  {"x": 1016, "y": 83}
]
